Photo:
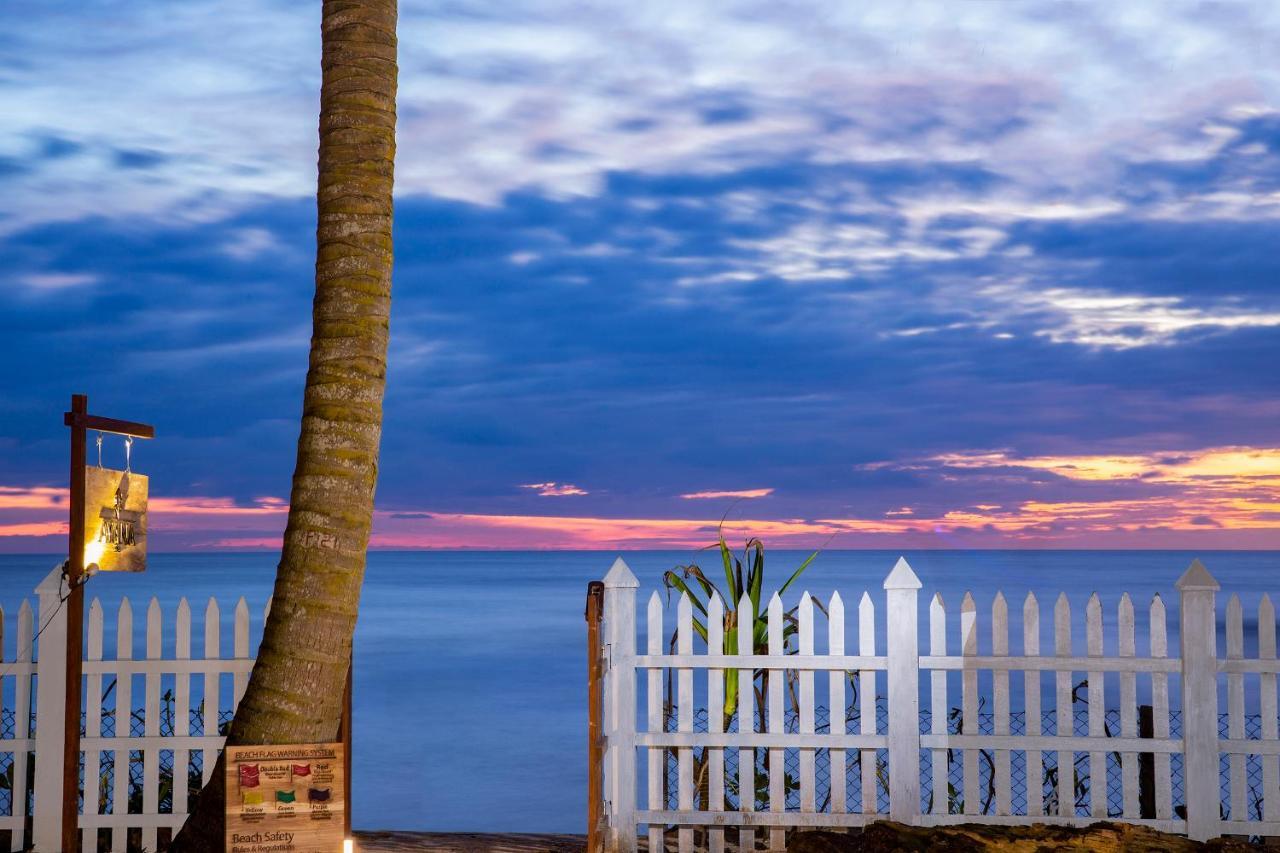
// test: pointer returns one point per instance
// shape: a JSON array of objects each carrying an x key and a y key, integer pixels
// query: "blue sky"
[{"x": 913, "y": 274}]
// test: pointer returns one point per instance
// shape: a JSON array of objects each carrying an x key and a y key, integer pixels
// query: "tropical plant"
[{"x": 295, "y": 693}]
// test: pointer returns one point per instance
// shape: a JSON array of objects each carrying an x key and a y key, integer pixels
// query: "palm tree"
[{"x": 295, "y": 692}]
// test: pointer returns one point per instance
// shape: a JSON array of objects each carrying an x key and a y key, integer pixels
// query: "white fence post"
[
  {"x": 1198, "y": 629},
  {"x": 620, "y": 587},
  {"x": 51, "y": 699},
  {"x": 901, "y": 589}
]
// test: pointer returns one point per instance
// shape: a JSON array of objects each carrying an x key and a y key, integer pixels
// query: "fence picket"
[
  {"x": 808, "y": 782},
  {"x": 93, "y": 706},
  {"x": 1031, "y": 702},
  {"x": 684, "y": 712},
  {"x": 22, "y": 714},
  {"x": 1096, "y": 709},
  {"x": 938, "y": 704},
  {"x": 1235, "y": 708},
  {"x": 969, "y": 702},
  {"x": 1160, "y": 710},
  {"x": 1000, "y": 689},
  {"x": 1128, "y": 710},
  {"x": 836, "y": 702},
  {"x": 746, "y": 723},
  {"x": 181, "y": 704},
  {"x": 123, "y": 723},
  {"x": 241, "y": 648},
  {"x": 777, "y": 757},
  {"x": 151, "y": 725},
  {"x": 656, "y": 723},
  {"x": 867, "y": 701},
  {"x": 1063, "y": 711},
  {"x": 1267, "y": 705},
  {"x": 211, "y": 701},
  {"x": 713, "y": 756}
]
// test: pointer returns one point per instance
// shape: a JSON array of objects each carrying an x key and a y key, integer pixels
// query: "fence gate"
[
  {"x": 736, "y": 749},
  {"x": 154, "y": 721}
]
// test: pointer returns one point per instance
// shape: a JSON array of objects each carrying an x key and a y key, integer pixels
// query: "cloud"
[
  {"x": 742, "y": 493},
  {"x": 554, "y": 490}
]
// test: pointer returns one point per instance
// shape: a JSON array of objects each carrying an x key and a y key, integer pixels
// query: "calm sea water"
[{"x": 469, "y": 681}]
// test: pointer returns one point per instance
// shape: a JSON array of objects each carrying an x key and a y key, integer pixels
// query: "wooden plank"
[
  {"x": 1000, "y": 705},
  {"x": 151, "y": 725},
  {"x": 1031, "y": 704},
  {"x": 241, "y": 648},
  {"x": 938, "y": 704},
  {"x": 299, "y": 790},
  {"x": 212, "y": 686},
  {"x": 746, "y": 725},
  {"x": 22, "y": 713},
  {"x": 123, "y": 722},
  {"x": 777, "y": 756},
  {"x": 759, "y": 662},
  {"x": 807, "y": 721},
  {"x": 684, "y": 718},
  {"x": 93, "y": 683},
  {"x": 1235, "y": 709},
  {"x": 715, "y": 721},
  {"x": 1063, "y": 710},
  {"x": 867, "y": 702},
  {"x": 181, "y": 703},
  {"x": 1160, "y": 710},
  {"x": 1097, "y": 709},
  {"x": 1128, "y": 709},
  {"x": 1198, "y": 633},
  {"x": 1065, "y": 663},
  {"x": 1267, "y": 705},
  {"x": 837, "y": 705},
  {"x": 969, "y": 704},
  {"x": 656, "y": 722},
  {"x": 780, "y": 740}
]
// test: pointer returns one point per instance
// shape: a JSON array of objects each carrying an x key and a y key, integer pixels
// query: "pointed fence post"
[
  {"x": 902, "y": 588},
  {"x": 620, "y": 587},
  {"x": 1198, "y": 629},
  {"x": 51, "y": 701}
]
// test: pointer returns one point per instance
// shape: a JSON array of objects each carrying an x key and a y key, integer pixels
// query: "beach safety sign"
[{"x": 285, "y": 799}]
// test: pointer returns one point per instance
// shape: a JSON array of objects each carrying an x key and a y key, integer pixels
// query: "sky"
[{"x": 887, "y": 274}]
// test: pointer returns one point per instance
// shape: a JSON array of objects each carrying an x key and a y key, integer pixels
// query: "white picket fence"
[
  {"x": 891, "y": 753},
  {"x": 139, "y": 757}
]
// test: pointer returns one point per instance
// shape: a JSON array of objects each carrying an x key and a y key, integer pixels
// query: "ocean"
[{"x": 470, "y": 665}]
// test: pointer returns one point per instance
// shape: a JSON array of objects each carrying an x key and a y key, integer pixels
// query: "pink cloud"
[{"x": 744, "y": 493}]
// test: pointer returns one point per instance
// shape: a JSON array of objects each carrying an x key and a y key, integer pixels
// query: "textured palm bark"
[{"x": 295, "y": 691}]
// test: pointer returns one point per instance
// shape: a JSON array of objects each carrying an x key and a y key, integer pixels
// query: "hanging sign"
[
  {"x": 285, "y": 799},
  {"x": 115, "y": 524}
]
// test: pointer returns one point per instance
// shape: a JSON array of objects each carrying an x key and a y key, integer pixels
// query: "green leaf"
[{"x": 798, "y": 572}]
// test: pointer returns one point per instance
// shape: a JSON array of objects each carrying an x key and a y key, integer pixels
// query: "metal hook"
[{"x": 128, "y": 446}]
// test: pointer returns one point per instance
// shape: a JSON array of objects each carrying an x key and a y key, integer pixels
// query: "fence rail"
[
  {"x": 1071, "y": 746},
  {"x": 152, "y": 726}
]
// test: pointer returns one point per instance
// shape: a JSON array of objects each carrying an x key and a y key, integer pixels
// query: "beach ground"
[{"x": 468, "y": 842}]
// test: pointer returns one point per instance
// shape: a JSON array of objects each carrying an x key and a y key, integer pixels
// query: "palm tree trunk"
[{"x": 295, "y": 692}]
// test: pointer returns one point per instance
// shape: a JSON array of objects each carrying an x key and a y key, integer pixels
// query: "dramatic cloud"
[{"x": 834, "y": 249}]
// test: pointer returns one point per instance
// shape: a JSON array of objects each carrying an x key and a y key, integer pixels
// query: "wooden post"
[
  {"x": 1199, "y": 701},
  {"x": 75, "y": 629},
  {"x": 902, "y": 588},
  {"x": 620, "y": 587},
  {"x": 595, "y": 595},
  {"x": 1146, "y": 765},
  {"x": 46, "y": 822}
]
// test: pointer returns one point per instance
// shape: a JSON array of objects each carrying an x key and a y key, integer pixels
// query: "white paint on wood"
[
  {"x": 867, "y": 702},
  {"x": 1267, "y": 705},
  {"x": 620, "y": 706},
  {"x": 902, "y": 589},
  {"x": 715, "y": 720},
  {"x": 837, "y": 704},
  {"x": 746, "y": 723},
  {"x": 181, "y": 703},
  {"x": 807, "y": 716},
  {"x": 969, "y": 703},
  {"x": 1096, "y": 709},
  {"x": 777, "y": 762},
  {"x": 1128, "y": 709},
  {"x": 1235, "y": 709},
  {"x": 1000, "y": 705},
  {"x": 938, "y": 704},
  {"x": 1160, "y": 709},
  {"x": 1063, "y": 709},
  {"x": 656, "y": 722},
  {"x": 212, "y": 683},
  {"x": 1199, "y": 700},
  {"x": 1031, "y": 703}
]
